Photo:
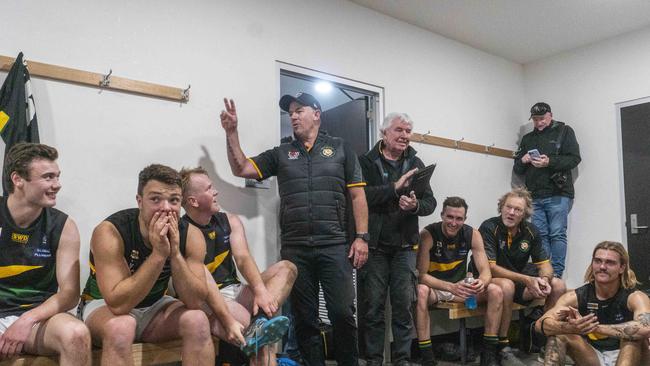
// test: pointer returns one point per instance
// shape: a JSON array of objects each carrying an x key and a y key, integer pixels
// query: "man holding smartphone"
[{"x": 545, "y": 157}]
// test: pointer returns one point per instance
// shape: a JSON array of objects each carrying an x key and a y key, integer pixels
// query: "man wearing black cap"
[
  {"x": 315, "y": 172},
  {"x": 546, "y": 156}
]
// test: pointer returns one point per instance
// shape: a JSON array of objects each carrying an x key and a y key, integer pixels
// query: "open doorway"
[{"x": 350, "y": 109}]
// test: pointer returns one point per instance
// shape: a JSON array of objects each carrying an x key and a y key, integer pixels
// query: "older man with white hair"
[{"x": 393, "y": 210}]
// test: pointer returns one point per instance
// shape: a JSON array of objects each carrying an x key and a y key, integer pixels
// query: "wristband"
[{"x": 541, "y": 326}]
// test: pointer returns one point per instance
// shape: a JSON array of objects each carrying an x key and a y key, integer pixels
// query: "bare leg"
[
  {"x": 192, "y": 326},
  {"x": 114, "y": 333},
  {"x": 575, "y": 346},
  {"x": 494, "y": 298},
  {"x": 645, "y": 352},
  {"x": 278, "y": 279},
  {"x": 426, "y": 296},
  {"x": 508, "y": 289},
  {"x": 558, "y": 288},
  {"x": 630, "y": 353},
  {"x": 62, "y": 334}
]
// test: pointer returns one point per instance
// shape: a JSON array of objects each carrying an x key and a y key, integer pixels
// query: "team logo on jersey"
[
  {"x": 438, "y": 249},
  {"x": 135, "y": 255},
  {"x": 524, "y": 246},
  {"x": 592, "y": 307},
  {"x": 293, "y": 154},
  {"x": 212, "y": 235},
  {"x": 19, "y": 238},
  {"x": 327, "y": 151}
]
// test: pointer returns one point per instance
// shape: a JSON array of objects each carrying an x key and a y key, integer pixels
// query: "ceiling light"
[{"x": 323, "y": 87}]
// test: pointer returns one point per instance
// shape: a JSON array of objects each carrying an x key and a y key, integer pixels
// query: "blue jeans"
[
  {"x": 329, "y": 266},
  {"x": 550, "y": 217},
  {"x": 388, "y": 269}
]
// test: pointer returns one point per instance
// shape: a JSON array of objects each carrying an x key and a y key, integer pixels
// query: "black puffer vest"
[{"x": 312, "y": 191}]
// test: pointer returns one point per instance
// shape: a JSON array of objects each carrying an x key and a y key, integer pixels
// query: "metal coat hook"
[
  {"x": 106, "y": 79},
  {"x": 487, "y": 148},
  {"x": 185, "y": 94},
  {"x": 424, "y": 134},
  {"x": 459, "y": 141}
]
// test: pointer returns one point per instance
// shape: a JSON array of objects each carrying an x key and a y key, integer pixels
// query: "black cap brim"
[{"x": 286, "y": 100}]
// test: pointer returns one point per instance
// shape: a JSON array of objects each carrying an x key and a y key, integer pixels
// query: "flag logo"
[
  {"x": 19, "y": 238},
  {"x": 293, "y": 155}
]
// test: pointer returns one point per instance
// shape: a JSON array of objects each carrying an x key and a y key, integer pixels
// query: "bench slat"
[{"x": 457, "y": 310}]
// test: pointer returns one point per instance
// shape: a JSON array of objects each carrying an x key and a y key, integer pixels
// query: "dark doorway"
[
  {"x": 635, "y": 132},
  {"x": 350, "y": 122}
]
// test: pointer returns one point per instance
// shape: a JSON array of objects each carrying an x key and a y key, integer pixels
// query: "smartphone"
[{"x": 534, "y": 154}]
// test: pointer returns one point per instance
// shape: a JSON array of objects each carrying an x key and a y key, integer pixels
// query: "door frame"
[
  {"x": 621, "y": 178},
  {"x": 378, "y": 117}
]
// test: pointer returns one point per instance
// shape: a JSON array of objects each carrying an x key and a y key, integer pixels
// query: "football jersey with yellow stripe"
[
  {"x": 510, "y": 252},
  {"x": 28, "y": 260},
  {"x": 448, "y": 256},
  {"x": 218, "y": 257},
  {"x": 609, "y": 311},
  {"x": 135, "y": 253}
]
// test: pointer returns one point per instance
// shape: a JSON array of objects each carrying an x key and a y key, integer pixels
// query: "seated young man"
[
  {"x": 134, "y": 253},
  {"x": 39, "y": 262},
  {"x": 226, "y": 246},
  {"x": 605, "y": 322},
  {"x": 442, "y": 267},
  {"x": 510, "y": 242}
]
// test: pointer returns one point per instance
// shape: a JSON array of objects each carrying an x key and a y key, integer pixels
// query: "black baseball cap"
[
  {"x": 305, "y": 99},
  {"x": 539, "y": 109}
]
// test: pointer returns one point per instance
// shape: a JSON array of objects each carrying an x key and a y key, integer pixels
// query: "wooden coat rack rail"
[
  {"x": 461, "y": 145},
  {"x": 101, "y": 81}
]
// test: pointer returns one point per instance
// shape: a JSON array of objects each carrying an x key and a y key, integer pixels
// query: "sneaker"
[
  {"x": 264, "y": 331},
  {"x": 489, "y": 358},
  {"x": 508, "y": 358}
]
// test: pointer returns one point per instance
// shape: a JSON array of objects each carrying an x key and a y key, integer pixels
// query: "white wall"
[
  {"x": 229, "y": 48},
  {"x": 583, "y": 87}
]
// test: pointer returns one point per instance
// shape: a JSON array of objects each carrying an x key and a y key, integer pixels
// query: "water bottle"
[{"x": 470, "y": 302}]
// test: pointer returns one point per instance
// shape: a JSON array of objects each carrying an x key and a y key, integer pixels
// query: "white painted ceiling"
[{"x": 522, "y": 31}]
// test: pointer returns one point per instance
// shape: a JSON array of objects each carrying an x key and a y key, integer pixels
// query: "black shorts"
[
  {"x": 519, "y": 295},
  {"x": 530, "y": 270}
]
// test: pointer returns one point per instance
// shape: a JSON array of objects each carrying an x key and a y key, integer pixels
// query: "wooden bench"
[
  {"x": 458, "y": 311},
  {"x": 143, "y": 354}
]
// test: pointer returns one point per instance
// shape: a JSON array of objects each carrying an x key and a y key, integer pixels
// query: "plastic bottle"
[{"x": 470, "y": 302}]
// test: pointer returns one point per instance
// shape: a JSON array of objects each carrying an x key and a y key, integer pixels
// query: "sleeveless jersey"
[
  {"x": 135, "y": 253},
  {"x": 610, "y": 311},
  {"x": 448, "y": 256},
  {"x": 28, "y": 260},
  {"x": 218, "y": 257}
]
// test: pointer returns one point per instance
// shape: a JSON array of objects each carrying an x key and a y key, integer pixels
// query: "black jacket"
[
  {"x": 562, "y": 159},
  {"x": 382, "y": 199}
]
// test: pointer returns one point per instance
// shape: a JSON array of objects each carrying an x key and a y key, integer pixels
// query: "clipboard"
[{"x": 420, "y": 180}]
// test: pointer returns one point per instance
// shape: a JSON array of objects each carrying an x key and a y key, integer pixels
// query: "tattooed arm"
[
  {"x": 240, "y": 166},
  {"x": 564, "y": 318},
  {"x": 634, "y": 330}
]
